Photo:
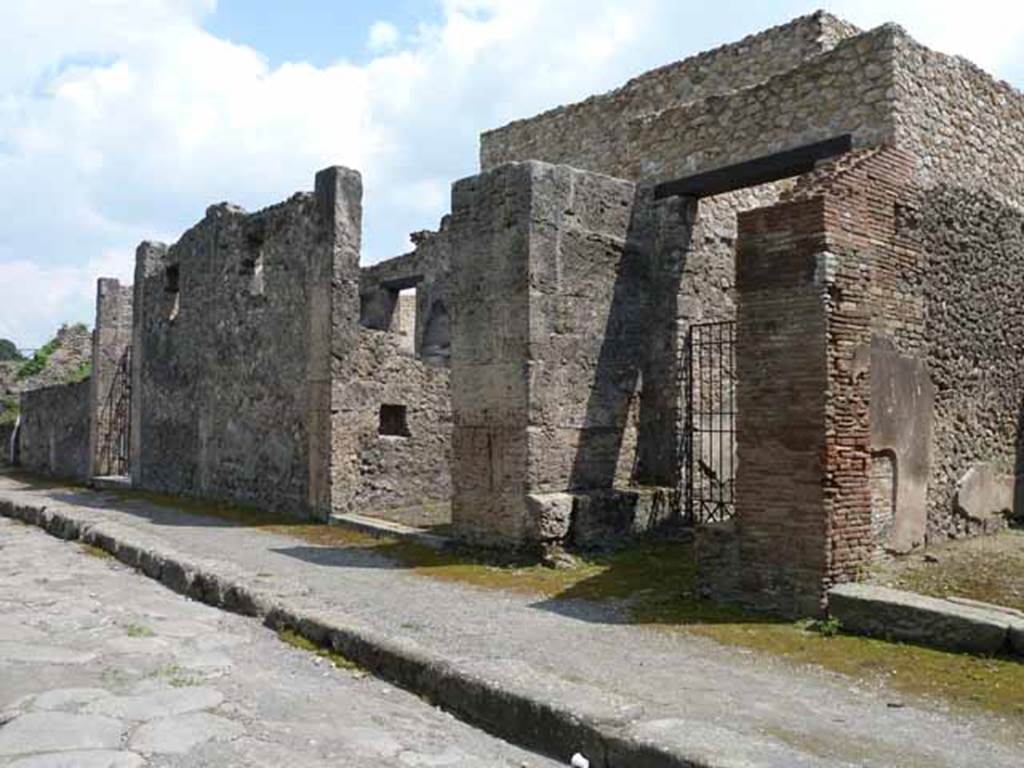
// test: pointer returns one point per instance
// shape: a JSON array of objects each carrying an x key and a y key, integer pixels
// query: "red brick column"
[{"x": 803, "y": 518}]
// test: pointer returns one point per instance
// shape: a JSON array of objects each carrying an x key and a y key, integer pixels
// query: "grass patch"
[
  {"x": 986, "y": 568},
  {"x": 93, "y": 551},
  {"x": 137, "y": 630},
  {"x": 177, "y": 677},
  {"x": 80, "y": 374},
  {"x": 338, "y": 660}
]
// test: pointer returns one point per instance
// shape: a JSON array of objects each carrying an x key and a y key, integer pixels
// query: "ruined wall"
[
  {"x": 593, "y": 134},
  {"x": 548, "y": 342},
  {"x": 54, "y": 434},
  {"x": 391, "y": 423},
  {"x": 427, "y": 270},
  {"x": 111, "y": 340},
  {"x": 233, "y": 327}
]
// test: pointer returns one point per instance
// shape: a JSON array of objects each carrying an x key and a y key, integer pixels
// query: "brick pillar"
[{"x": 803, "y": 513}]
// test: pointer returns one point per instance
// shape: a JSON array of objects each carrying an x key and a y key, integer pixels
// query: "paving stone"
[
  {"x": 101, "y": 758},
  {"x": 48, "y": 654},
  {"x": 58, "y": 731},
  {"x": 178, "y": 735},
  {"x": 68, "y": 698},
  {"x": 159, "y": 704}
]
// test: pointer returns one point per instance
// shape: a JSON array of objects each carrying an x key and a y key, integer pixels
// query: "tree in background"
[{"x": 9, "y": 351}]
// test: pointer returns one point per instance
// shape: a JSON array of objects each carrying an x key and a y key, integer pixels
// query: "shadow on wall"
[{"x": 638, "y": 356}]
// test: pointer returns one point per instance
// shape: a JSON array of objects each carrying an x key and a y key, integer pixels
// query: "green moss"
[
  {"x": 294, "y": 639},
  {"x": 137, "y": 630},
  {"x": 94, "y": 551},
  {"x": 80, "y": 374},
  {"x": 986, "y": 568},
  {"x": 177, "y": 677},
  {"x": 37, "y": 363}
]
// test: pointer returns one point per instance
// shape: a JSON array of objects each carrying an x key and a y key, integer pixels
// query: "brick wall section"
[
  {"x": 782, "y": 371},
  {"x": 54, "y": 433}
]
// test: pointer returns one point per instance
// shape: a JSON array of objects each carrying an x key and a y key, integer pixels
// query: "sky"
[{"x": 122, "y": 120}]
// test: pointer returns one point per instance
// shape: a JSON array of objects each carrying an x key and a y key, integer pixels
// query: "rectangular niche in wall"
[{"x": 393, "y": 421}]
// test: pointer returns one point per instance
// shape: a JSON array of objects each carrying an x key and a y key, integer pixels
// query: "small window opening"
[
  {"x": 393, "y": 421},
  {"x": 173, "y": 287},
  {"x": 171, "y": 279},
  {"x": 405, "y": 321},
  {"x": 251, "y": 267}
]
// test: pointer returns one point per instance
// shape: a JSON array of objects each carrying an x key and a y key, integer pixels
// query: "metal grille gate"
[
  {"x": 710, "y": 431},
  {"x": 117, "y": 419}
]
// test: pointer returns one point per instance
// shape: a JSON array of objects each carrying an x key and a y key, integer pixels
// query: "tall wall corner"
[{"x": 551, "y": 268}]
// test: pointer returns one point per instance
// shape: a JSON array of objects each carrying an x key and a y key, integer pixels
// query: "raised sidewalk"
[{"x": 557, "y": 676}]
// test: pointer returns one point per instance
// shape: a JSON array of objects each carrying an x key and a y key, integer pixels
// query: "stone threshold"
[
  {"x": 376, "y": 526},
  {"x": 950, "y": 624},
  {"x": 110, "y": 482}
]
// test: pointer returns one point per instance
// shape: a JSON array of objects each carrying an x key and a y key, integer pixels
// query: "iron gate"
[
  {"x": 710, "y": 432},
  {"x": 116, "y": 419}
]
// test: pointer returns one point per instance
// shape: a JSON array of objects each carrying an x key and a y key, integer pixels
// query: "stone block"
[
  {"x": 986, "y": 496},
  {"x": 551, "y": 514},
  {"x": 896, "y": 615}
]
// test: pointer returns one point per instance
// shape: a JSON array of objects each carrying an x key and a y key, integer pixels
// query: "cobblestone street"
[{"x": 103, "y": 668}]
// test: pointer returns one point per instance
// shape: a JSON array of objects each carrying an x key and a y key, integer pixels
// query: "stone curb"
[
  {"x": 503, "y": 705},
  {"x": 953, "y": 625}
]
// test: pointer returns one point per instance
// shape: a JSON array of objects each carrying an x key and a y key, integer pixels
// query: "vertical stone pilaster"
[
  {"x": 333, "y": 313},
  {"x": 111, "y": 338}
]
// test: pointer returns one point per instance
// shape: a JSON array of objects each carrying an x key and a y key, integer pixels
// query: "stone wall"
[
  {"x": 54, "y": 433},
  {"x": 966, "y": 128},
  {"x": 6, "y": 432},
  {"x": 391, "y": 433},
  {"x": 849, "y": 89},
  {"x": 591, "y": 133},
  {"x": 551, "y": 269},
  {"x": 111, "y": 341},
  {"x": 232, "y": 346},
  {"x": 972, "y": 280}
]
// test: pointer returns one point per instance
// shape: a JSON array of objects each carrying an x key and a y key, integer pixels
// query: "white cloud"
[
  {"x": 124, "y": 118},
  {"x": 989, "y": 32},
  {"x": 383, "y": 36}
]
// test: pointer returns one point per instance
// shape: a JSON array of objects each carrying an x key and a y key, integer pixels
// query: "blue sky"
[{"x": 121, "y": 120}]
